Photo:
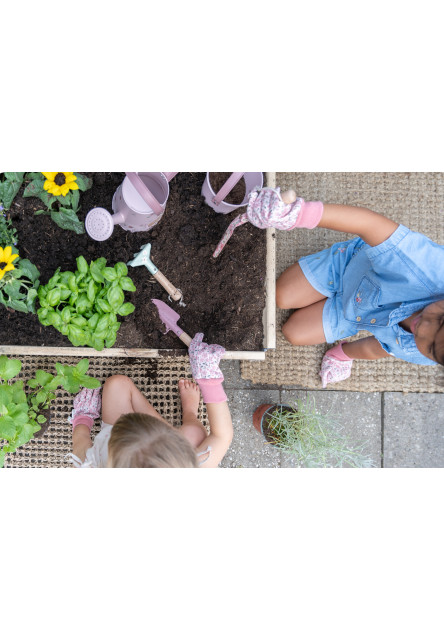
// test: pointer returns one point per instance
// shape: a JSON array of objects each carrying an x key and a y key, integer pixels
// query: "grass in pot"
[{"x": 311, "y": 438}]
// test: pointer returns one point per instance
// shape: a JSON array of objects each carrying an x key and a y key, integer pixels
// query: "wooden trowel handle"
[
  {"x": 185, "y": 338},
  {"x": 166, "y": 284}
]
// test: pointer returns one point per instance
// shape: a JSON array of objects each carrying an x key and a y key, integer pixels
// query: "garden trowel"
[
  {"x": 143, "y": 258},
  {"x": 169, "y": 318}
]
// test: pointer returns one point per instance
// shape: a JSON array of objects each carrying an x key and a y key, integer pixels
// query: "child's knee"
[
  {"x": 284, "y": 297},
  {"x": 118, "y": 383}
]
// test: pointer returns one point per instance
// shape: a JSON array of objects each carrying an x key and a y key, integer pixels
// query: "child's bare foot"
[{"x": 189, "y": 397}]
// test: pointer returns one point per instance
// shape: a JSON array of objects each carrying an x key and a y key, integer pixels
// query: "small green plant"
[
  {"x": 8, "y": 233},
  {"x": 60, "y": 193},
  {"x": 9, "y": 187},
  {"x": 21, "y": 412},
  {"x": 313, "y": 439},
  {"x": 84, "y": 305},
  {"x": 18, "y": 282}
]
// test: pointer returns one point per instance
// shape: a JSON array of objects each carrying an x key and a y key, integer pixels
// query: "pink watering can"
[
  {"x": 138, "y": 204},
  {"x": 216, "y": 200}
]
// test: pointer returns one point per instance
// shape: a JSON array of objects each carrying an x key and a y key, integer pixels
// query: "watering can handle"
[
  {"x": 230, "y": 184},
  {"x": 144, "y": 192},
  {"x": 169, "y": 176}
]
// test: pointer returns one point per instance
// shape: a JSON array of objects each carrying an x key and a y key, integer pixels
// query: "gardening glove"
[
  {"x": 336, "y": 366},
  {"x": 266, "y": 208},
  {"x": 87, "y": 405},
  {"x": 204, "y": 360}
]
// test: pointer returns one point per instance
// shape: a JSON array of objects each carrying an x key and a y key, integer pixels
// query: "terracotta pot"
[{"x": 260, "y": 418}]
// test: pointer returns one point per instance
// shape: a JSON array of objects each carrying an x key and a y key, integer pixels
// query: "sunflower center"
[
  {"x": 3, "y": 265},
  {"x": 59, "y": 179}
]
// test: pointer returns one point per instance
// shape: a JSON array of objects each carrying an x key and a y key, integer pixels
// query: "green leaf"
[
  {"x": 126, "y": 309},
  {"x": 53, "y": 297},
  {"x": 83, "y": 181},
  {"x": 68, "y": 219},
  {"x": 54, "y": 280},
  {"x": 34, "y": 188},
  {"x": 96, "y": 272},
  {"x": 110, "y": 274},
  {"x": 18, "y": 305},
  {"x": 75, "y": 197},
  {"x": 82, "y": 366},
  {"x": 127, "y": 284},
  {"x": 82, "y": 304},
  {"x": 9, "y": 368},
  {"x": 35, "y": 175},
  {"x": 41, "y": 419},
  {"x": 98, "y": 344},
  {"x": 76, "y": 335},
  {"x": 47, "y": 198},
  {"x": 82, "y": 265},
  {"x": 116, "y": 297},
  {"x": 110, "y": 341},
  {"x": 43, "y": 377},
  {"x": 121, "y": 269},
  {"x": 103, "y": 305},
  {"x": 92, "y": 290},
  {"x": 92, "y": 322},
  {"x": 11, "y": 187},
  {"x": 8, "y": 429},
  {"x": 5, "y": 395}
]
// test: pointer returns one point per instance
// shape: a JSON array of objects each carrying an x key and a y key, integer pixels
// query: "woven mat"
[
  {"x": 157, "y": 379},
  {"x": 413, "y": 199}
]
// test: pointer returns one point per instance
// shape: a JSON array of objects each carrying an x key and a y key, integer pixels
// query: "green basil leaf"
[
  {"x": 82, "y": 265},
  {"x": 127, "y": 284},
  {"x": 98, "y": 343},
  {"x": 96, "y": 272},
  {"x": 76, "y": 335},
  {"x": 121, "y": 269},
  {"x": 126, "y": 309},
  {"x": 110, "y": 274},
  {"x": 92, "y": 290},
  {"x": 103, "y": 305},
  {"x": 115, "y": 297},
  {"x": 92, "y": 322},
  {"x": 53, "y": 297}
]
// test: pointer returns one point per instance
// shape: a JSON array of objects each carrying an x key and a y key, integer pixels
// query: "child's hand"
[
  {"x": 333, "y": 369},
  {"x": 87, "y": 405},
  {"x": 204, "y": 358}
]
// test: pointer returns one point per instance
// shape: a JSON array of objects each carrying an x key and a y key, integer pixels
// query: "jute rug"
[
  {"x": 413, "y": 199},
  {"x": 157, "y": 378}
]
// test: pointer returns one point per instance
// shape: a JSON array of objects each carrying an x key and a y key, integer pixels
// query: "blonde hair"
[{"x": 139, "y": 440}]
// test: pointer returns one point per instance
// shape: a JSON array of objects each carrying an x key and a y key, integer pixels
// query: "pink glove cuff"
[
  {"x": 310, "y": 215},
  {"x": 338, "y": 353},
  {"x": 87, "y": 420},
  {"x": 212, "y": 389}
]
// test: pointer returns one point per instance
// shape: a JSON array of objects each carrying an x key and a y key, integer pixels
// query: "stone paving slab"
[
  {"x": 249, "y": 448},
  {"x": 358, "y": 413},
  {"x": 413, "y": 430}
]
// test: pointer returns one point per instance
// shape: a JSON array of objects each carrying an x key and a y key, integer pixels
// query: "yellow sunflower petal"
[
  {"x": 73, "y": 186},
  {"x": 68, "y": 175},
  {"x": 48, "y": 185},
  {"x": 6, "y": 254},
  {"x": 55, "y": 190},
  {"x": 13, "y": 257},
  {"x": 9, "y": 267},
  {"x": 1, "y": 255},
  {"x": 71, "y": 179},
  {"x": 64, "y": 189},
  {"x": 49, "y": 175},
  {"x": 2, "y": 273}
]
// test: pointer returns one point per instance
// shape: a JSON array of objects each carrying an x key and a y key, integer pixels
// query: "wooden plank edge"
[{"x": 82, "y": 352}]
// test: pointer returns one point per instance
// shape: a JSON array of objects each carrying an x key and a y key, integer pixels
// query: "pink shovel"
[{"x": 169, "y": 318}]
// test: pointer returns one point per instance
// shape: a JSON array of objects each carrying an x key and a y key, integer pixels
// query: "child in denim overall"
[{"x": 388, "y": 281}]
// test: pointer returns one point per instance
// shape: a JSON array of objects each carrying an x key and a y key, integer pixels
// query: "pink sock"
[
  {"x": 338, "y": 353},
  {"x": 310, "y": 215}
]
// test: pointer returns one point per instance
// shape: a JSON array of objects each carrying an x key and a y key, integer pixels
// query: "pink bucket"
[{"x": 216, "y": 200}]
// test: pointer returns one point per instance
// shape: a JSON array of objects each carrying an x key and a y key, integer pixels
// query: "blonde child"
[{"x": 134, "y": 434}]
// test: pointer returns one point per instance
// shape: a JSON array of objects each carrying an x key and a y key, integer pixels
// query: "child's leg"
[
  {"x": 81, "y": 441},
  {"x": 364, "y": 349},
  {"x": 191, "y": 428},
  {"x": 120, "y": 395},
  {"x": 305, "y": 326},
  {"x": 294, "y": 291}
]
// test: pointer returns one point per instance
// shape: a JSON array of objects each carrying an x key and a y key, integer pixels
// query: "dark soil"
[
  {"x": 224, "y": 297},
  {"x": 237, "y": 193}
]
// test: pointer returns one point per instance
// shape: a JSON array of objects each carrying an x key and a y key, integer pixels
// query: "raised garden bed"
[{"x": 225, "y": 297}]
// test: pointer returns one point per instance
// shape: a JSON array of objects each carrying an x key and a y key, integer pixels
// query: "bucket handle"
[
  {"x": 225, "y": 190},
  {"x": 144, "y": 192}
]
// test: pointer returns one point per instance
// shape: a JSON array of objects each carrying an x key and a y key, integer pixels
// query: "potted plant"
[
  {"x": 313, "y": 439},
  {"x": 22, "y": 413}
]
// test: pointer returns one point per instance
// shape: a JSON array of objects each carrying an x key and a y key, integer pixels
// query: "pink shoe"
[{"x": 336, "y": 366}]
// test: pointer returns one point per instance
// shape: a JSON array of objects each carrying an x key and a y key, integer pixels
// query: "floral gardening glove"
[
  {"x": 87, "y": 405},
  {"x": 204, "y": 360},
  {"x": 336, "y": 366}
]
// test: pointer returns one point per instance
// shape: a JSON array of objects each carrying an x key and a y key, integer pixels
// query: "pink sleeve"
[
  {"x": 310, "y": 215},
  {"x": 212, "y": 389}
]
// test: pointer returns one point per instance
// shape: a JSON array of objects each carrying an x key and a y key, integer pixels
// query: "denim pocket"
[{"x": 367, "y": 295}]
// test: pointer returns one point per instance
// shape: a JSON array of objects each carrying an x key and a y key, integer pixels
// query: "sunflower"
[
  {"x": 60, "y": 182},
  {"x": 6, "y": 260}
]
